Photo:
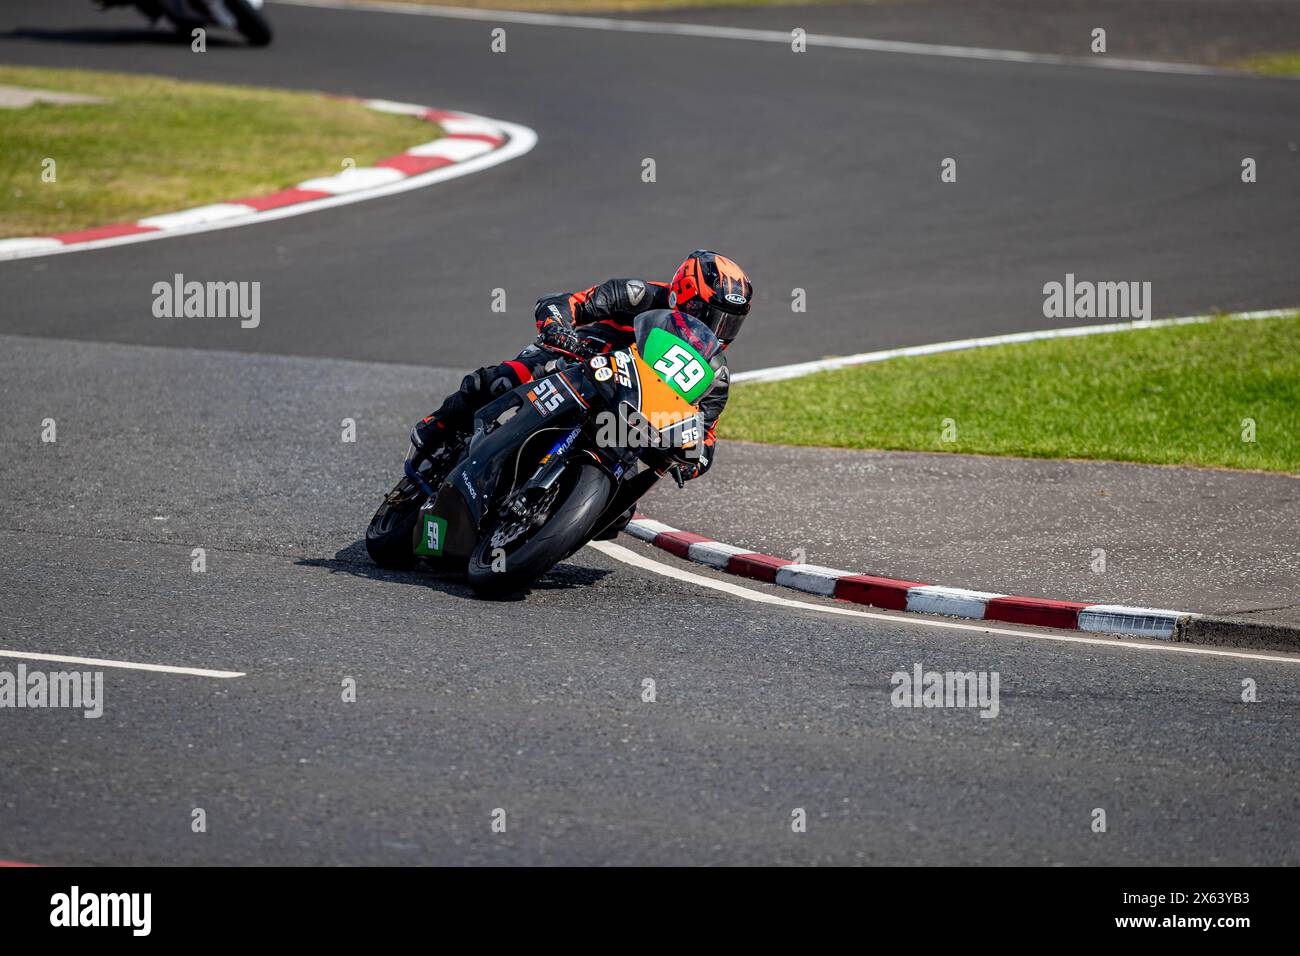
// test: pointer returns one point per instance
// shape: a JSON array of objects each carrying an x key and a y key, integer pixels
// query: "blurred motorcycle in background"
[{"x": 243, "y": 16}]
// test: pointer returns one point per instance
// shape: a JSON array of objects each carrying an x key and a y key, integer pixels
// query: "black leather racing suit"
[{"x": 602, "y": 316}]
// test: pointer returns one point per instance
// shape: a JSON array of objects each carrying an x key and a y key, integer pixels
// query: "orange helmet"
[{"x": 714, "y": 290}]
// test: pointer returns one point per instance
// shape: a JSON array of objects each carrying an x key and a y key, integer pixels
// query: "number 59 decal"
[
  {"x": 685, "y": 370},
  {"x": 681, "y": 366}
]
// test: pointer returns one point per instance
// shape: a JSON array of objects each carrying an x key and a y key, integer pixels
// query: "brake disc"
[{"x": 520, "y": 521}]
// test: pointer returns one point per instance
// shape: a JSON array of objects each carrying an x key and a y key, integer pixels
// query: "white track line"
[
  {"x": 779, "y": 373},
  {"x": 770, "y": 36},
  {"x": 123, "y": 665},
  {"x": 627, "y": 556}
]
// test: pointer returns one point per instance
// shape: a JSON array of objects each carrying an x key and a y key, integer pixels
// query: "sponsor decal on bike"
[
  {"x": 546, "y": 398},
  {"x": 565, "y": 445},
  {"x": 604, "y": 374},
  {"x": 623, "y": 362},
  {"x": 599, "y": 361},
  {"x": 562, "y": 446},
  {"x": 433, "y": 535},
  {"x": 688, "y": 432}
]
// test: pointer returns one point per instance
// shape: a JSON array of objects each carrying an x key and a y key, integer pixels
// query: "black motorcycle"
[
  {"x": 244, "y": 16},
  {"x": 554, "y": 463}
]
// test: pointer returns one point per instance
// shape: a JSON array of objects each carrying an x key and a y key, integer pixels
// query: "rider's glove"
[
  {"x": 694, "y": 462},
  {"x": 560, "y": 336}
]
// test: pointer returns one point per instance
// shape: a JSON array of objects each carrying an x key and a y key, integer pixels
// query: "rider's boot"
[
  {"x": 455, "y": 416},
  {"x": 433, "y": 432}
]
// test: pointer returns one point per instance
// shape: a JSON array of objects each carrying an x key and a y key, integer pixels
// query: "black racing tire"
[
  {"x": 565, "y": 531},
  {"x": 184, "y": 29},
  {"x": 390, "y": 535},
  {"x": 251, "y": 22}
]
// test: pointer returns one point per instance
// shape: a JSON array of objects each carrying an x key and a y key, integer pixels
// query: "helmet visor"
[{"x": 725, "y": 325}]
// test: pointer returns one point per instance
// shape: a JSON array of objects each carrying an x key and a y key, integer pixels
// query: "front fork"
[{"x": 541, "y": 487}]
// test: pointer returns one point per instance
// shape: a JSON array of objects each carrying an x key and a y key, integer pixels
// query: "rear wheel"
[
  {"x": 390, "y": 538},
  {"x": 515, "y": 552},
  {"x": 250, "y": 21},
  {"x": 391, "y": 532}
]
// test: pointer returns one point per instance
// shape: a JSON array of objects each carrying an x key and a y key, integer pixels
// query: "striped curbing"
[
  {"x": 469, "y": 143},
  {"x": 914, "y": 596}
]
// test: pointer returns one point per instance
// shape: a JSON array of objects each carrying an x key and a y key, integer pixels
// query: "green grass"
[
  {"x": 162, "y": 145},
  {"x": 1174, "y": 395},
  {"x": 1273, "y": 64}
]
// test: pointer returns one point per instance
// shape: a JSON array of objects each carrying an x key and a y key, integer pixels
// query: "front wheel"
[
  {"x": 250, "y": 21},
  {"x": 507, "y": 559}
]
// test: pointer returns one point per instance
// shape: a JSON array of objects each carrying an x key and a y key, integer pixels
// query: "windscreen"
[
  {"x": 677, "y": 348},
  {"x": 691, "y": 330}
]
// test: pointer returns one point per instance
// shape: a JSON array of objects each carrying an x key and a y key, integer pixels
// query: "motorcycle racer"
[{"x": 707, "y": 286}]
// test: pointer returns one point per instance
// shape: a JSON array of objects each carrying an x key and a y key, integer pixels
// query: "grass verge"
[
  {"x": 1271, "y": 64},
  {"x": 1177, "y": 395},
  {"x": 160, "y": 145}
]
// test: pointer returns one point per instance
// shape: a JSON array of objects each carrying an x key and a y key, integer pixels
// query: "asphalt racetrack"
[{"x": 818, "y": 171}]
